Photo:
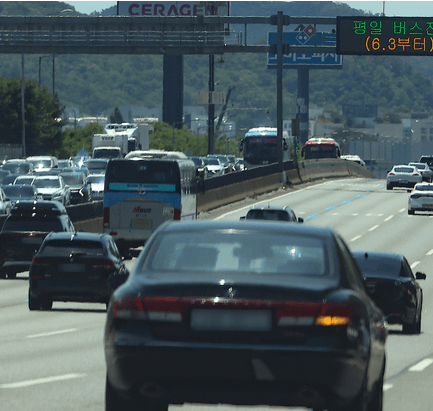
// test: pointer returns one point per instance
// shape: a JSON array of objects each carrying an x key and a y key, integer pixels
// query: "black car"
[
  {"x": 426, "y": 159},
  {"x": 390, "y": 282},
  {"x": 244, "y": 313},
  {"x": 24, "y": 230},
  {"x": 80, "y": 267},
  {"x": 81, "y": 190},
  {"x": 284, "y": 213}
]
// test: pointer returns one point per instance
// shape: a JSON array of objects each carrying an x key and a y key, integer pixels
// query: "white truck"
[{"x": 110, "y": 145}]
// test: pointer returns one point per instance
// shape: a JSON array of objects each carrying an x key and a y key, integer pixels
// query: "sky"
[{"x": 392, "y": 8}]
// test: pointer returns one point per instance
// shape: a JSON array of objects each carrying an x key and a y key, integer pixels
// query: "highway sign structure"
[
  {"x": 306, "y": 36},
  {"x": 403, "y": 36}
]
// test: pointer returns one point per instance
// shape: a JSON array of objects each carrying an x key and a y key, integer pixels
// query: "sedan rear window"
[
  {"x": 268, "y": 215},
  {"x": 238, "y": 252},
  {"x": 379, "y": 267},
  {"x": 68, "y": 247},
  {"x": 25, "y": 223},
  {"x": 404, "y": 169}
]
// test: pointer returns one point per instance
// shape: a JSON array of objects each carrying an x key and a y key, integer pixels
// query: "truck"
[{"x": 110, "y": 145}]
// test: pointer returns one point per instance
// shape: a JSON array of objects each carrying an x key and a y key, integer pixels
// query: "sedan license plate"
[
  {"x": 231, "y": 320},
  {"x": 72, "y": 268},
  {"x": 31, "y": 240}
]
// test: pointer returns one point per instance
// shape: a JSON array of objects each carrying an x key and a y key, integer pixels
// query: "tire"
[
  {"x": 46, "y": 304},
  {"x": 114, "y": 402},
  {"x": 34, "y": 303},
  {"x": 11, "y": 275},
  {"x": 389, "y": 187},
  {"x": 413, "y": 328}
]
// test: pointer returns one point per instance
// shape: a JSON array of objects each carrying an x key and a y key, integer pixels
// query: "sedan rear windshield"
[
  {"x": 239, "y": 252},
  {"x": 268, "y": 215},
  {"x": 62, "y": 248},
  {"x": 379, "y": 267},
  {"x": 404, "y": 169},
  {"x": 28, "y": 223}
]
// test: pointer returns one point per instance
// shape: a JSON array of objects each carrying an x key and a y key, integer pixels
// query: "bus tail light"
[
  {"x": 106, "y": 217},
  {"x": 176, "y": 214}
]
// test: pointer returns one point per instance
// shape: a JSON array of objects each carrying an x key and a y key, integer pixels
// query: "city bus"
[
  {"x": 140, "y": 194},
  {"x": 259, "y": 146},
  {"x": 320, "y": 148}
]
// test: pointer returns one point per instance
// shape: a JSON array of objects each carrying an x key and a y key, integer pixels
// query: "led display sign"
[{"x": 404, "y": 36}]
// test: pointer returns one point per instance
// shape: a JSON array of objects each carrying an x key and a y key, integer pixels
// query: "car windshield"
[
  {"x": 19, "y": 191},
  {"x": 73, "y": 179},
  {"x": 62, "y": 248},
  {"x": 404, "y": 169},
  {"x": 41, "y": 163},
  {"x": 24, "y": 180},
  {"x": 32, "y": 223},
  {"x": 216, "y": 251},
  {"x": 47, "y": 183},
  {"x": 211, "y": 161}
]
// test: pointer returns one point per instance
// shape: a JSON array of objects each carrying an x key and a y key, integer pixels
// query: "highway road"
[{"x": 54, "y": 360}]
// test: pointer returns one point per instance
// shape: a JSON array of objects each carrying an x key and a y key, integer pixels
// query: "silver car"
[
  {"x": 421, "y": 198},
  {"x": 426, "y": 171},
  {"x": 403, "y": 176},
  {"x": 53, "y": 188}
]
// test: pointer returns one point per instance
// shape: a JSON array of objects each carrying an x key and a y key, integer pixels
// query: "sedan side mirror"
[{"x": 420, "y": 276}]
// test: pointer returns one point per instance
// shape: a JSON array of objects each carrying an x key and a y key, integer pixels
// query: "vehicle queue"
[{"x": 225, "y": 324}]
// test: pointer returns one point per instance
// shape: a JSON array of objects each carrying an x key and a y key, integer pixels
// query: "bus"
[
  {"x": 259, "y": 146},
  {"x": 140, "y": 194},
  {"x": 320, "y": 148}
]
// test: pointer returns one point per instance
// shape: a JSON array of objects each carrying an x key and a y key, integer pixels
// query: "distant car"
[
  {"x": 10, "y": 179},
  {"x": 18, "y": 167},
  {"x": 42, "y": 163},
  {"x": 244, "y": 313},
  {"x": 353, "y": 157},
  {"x": 200, "y": 167},
  {"x": 53, "y": 188},
  {"x": 390, "y": 282},
  {"x": 214, "y": 166},
  {"x": 3, "y": 174},
  {"x": 24, "y": 180},
  {"x": 421, "y": 198},
  {"x": 403, "y": 176},
  {"x": 428, "y": 159},
  {"x": 17, "y": 192},
  {"x": 81, "y": 190},
  {"x": 24, "y": 230},
  {"x": 284, "y": 213},
  {"x": 425, "y": 170},
  {"x": 5, "y": 203},
  {"x": 80, "y": 267},
  {"x": 97, "y": 182},
  {"x": 68, "y": 163}
]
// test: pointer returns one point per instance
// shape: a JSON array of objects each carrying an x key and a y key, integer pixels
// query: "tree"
[
  {"x": 76, "y": 139},
  {"x": 116, "y": 116},
  {"x": 42, "y": 117}
]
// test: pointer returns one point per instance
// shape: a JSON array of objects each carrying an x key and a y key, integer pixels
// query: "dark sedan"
[
  {"x": 80, "y": 267},
  {"x": 390, "y": 282},
  {"x": 244, "y": 313}
]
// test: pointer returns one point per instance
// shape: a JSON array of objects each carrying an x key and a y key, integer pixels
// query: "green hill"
[{"x": 96, "y": 83}]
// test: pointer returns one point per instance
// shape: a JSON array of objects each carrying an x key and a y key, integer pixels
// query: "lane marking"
[
  {"x": 387, "y": 386},
  {"x": 48, "y": 334},
  {"x": 355, "y": 214},
  {"x": 388, "y": 218},
  {"x": 373, "y": 228},
  {"x": 355, "y": 238},
  {"x": 45, "y": 380},
  {"x": 430, "y": 252},
  {"x": 369, "y": 214},
  {"x": 422, "y": 365},
  {"x": 414, "y": 264},
  {"x": 403, "y": 209}
]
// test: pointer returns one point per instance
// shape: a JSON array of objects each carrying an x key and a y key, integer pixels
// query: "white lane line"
[
  {"x": 430, "y": 252},
  {"x": 422, "y": 365},
  {"x": 355, "y": 238},
  {"x": 388, "y": 218},
  {"x": 369, "y": 214},
  {"x": 387, "y": 386},
  {"x": 48, "y": 334},
  {"x": 29, "y": 383},
  {"x": 373, "y": 228},
  {"x": 355, "y": 214},
  {"x": 414, "y": 264},
  {"x": 403, "y": 209}
]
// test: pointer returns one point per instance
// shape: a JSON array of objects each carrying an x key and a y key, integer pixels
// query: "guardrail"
[{"x": 223, "y": 190}]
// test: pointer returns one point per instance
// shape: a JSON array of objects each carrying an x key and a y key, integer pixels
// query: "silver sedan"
[{"x": 403, "y": 176}]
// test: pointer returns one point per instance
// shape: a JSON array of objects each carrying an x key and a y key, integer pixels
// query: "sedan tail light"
[
  {"x": 103, "y": 264},
  {"x": 415, "y": 196},
  {"x": 176, "y": 214},
  {"x": 286, "y": 314},
  {"x": 106, "y": 217}
]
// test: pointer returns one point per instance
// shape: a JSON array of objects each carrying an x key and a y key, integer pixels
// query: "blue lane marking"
[
  {"x": 331, "y": 208},
  {"x": 311, "y": 216},
  {"x": 346, "y": 202}
]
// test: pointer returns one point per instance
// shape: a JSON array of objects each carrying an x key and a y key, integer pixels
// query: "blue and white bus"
[
  {"x": 259, "y": 146},
  {"x": 140, "y": 194}
]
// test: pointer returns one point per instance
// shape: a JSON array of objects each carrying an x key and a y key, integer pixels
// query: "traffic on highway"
[{"x": 55, "y": 360}]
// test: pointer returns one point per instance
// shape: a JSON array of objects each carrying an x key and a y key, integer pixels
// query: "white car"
[
  {"x": 97, "y": 182},
  {"x": 53, "y": 188},
  {"x": 403, "y": 176},
  {"x": 425, "y": 170},
  {"x": 214, "y": 166},
  {"x": 421, "y": 198}
]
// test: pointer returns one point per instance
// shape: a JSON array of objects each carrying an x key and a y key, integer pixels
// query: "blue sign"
[{"x": 306, "y": 37}]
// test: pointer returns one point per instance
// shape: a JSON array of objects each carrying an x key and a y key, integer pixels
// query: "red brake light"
[
  {"x": 392, "y": 174},
  {"x": 103, "y": 264},
  {"x": 176, "y": 214},
  {"x": 106, "y": 217}
]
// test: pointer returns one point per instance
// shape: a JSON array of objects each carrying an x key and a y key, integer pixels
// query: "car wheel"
[
  {"x": 389, "y": 187},
  {"x": 46, "y": 304},
  {"x": 414, "y": 327},
  {"x": 114, "y": 402},
  {"x": 34, "y": 303},
  {"x": 376, "y": 403}
]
